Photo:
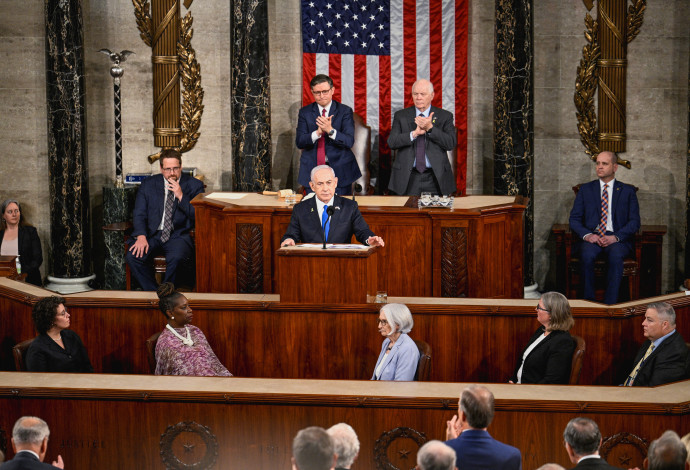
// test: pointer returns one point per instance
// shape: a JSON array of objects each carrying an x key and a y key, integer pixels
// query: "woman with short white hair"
[{"x": 399, "y": 353}]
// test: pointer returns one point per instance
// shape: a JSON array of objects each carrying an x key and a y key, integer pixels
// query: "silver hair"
[
  {"x": 435, "y": 455},
  {"x": 319, "y": 168},
  {"x": 667, "y": 453},
  {"x": 431, "y": 85},
  {"x": 345, "y": 443},
  {"x": 399, "y": 317},
  {"x": 665, "y": 311},
  {"x": 32, "y": 433}
]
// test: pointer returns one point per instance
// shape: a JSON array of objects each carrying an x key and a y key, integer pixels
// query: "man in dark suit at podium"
[
  {"x": 30, "y": 443},
  {"x": 310, "y": 218}
]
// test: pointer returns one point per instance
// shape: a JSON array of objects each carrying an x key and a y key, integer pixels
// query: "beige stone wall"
[{"x": 657, "y": 102}]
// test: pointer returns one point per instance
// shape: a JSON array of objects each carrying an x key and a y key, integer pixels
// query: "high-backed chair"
[
  {"x": 151, "y": 351},
  {"x": 362, "y": 151},
  {"x": 424, "y": 364},
  {"x": 19, "y": 352},
  {"x": 631, "y": 265},
  {"x": 578, "y": 356}
]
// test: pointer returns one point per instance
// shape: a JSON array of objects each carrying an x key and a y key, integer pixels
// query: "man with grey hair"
[
  {"x": 667, "y": 453},
  {"x": 435, "y": 455},
  {"x": 30, "y": 443},
  {"x": 312, "y": 449},
  {"x": 663, "y": 358},
  {"x": 345, "y": 444},
  {"x": 422, "y": 135},
  {"x": 582, "y": 441},
  {"x": 468, "y": 437}
]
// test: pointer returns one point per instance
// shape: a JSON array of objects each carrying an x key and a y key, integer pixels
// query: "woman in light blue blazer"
[{"x": 399, "y": 353}]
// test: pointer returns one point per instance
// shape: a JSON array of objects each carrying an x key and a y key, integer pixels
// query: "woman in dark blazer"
[
  {"x": 549, "y": 353},
  {"x": 18, "y": 238},
  {"x": 56, "y": 348}
]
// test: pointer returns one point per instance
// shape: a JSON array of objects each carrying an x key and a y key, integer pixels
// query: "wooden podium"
[{"x": 307, "y": 274}]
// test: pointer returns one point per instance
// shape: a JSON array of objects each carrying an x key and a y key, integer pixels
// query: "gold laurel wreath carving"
[
  {"x": 192, "y": 93},
  {"x": 585, "y": 88},
  {"x": 142, "y": 12},
  {"x": 635, "y": 18}
]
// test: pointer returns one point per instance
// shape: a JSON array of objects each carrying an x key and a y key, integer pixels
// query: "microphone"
[
  {"x": 329, "y": 211},
  {"x": 357, "y": 189}
]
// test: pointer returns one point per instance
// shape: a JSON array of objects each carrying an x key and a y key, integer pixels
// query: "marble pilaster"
[
  {"x": 514, "y": 112},
  {"x": 66, "y": 111},
  {"x": 251, "y": 123},
  {"x": 687, "y": 194},
  {"x": 118, "y": 204}
]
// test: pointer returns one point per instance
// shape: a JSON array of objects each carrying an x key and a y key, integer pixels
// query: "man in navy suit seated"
[
  {"x": 326, "y": 134},
  {"x": 606, "y": 217},
  {"x": 30, "y": 443},
  {"x": 162, "y": 218},
  {"x": 310, "y": 219},
  {"x": 467, "y": 434}
]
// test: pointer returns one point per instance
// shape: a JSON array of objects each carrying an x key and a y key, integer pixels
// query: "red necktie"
[{"x": 321, "y": 147}]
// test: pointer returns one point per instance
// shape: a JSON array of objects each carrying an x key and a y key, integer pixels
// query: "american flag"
[{"x": 375, "y": 49}]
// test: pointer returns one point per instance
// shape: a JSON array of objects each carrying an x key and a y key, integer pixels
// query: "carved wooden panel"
[
  {"x": 624, "y": 450},
  {"x": 454, "y": 262},
  {"x": 250, "y": 261},
  {"x": 397, "y": 449},
  {"x": 188, "y": 445}
]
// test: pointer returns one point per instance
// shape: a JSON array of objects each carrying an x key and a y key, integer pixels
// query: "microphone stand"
[{"x": 329, "y": 211}]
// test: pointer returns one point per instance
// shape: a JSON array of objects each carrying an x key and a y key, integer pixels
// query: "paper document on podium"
[{"x": 331, "y": 246}]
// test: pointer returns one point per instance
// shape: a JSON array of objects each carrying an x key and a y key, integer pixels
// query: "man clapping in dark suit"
[
  {"x": 162, "y": 218},
  {"x": 30, "y": 443},
  {"x": 422, "y": 135},
  {"x": 326, "y": 134},
  {"x": 310, "y": 219},
  {"x": 582, "y": 441}
]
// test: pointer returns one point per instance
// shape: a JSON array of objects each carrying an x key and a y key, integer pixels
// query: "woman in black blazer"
[
  {"x": 27, "y": 242},
  {"x": 549, "y": 353},
  {"x": 56, "y": 348}
]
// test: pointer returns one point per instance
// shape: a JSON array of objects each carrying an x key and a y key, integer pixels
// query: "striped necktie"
[
  {"x": 321, "y": 146},
  {"x": 631, "y": 378},
  {"x": 601, "y": 229}
]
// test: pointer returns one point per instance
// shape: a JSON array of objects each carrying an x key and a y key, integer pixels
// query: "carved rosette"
[
  {"x": 454, "y": 262},
  {"x": 624, "y": 450},
  {"x": 250, "y": 259},
  {"x": 188, "y": 445},
  {"x": 394, "y": 448}
]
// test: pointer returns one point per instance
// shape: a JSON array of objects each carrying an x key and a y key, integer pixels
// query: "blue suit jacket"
[
  {"x": 401, "y": 362},
  {"x": 338, "y": 150},
  {"x": 586, "y": 213},
  {"x": 476, "y": 449},
  {"x": 305, "y": 223},
  {"x": 26, "y": 460},
  {"x": 148, "y": 207}
]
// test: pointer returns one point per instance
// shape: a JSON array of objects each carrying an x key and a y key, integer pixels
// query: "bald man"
[{"x": 422, "y": 135}]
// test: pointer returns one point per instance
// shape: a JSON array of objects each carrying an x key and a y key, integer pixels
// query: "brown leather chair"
[
  {"x": 424, "y": 365},
  {"x": 151, "y": 351},
  {"x": 362, "y": 150},
  {"x": 19, "y": 351},
  {"x": 631, "y": 266},
  {"x": 578, "y": 356}
]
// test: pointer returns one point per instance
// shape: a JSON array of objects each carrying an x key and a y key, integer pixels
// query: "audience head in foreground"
[
  {"x": 467, "y": 433},
  {"x": 182, "y": 348},
  {"x": 52, "y": 322},
  {"x": 667, "y": 453},
  {"x": 399, "y": 355},
  {"x": 582, "y": 441},
  {"x": 548, "y": 356},
  {"x": 30, "y": 443},
  {"x": 664, "y": 357},
  {"x": 551, "y": 466},
  {"x": 312, "y": 449},
  {"x": 345, "y": 444},
  {"x": 435, "y": 455}
]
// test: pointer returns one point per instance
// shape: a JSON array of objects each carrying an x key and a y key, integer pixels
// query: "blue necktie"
[{"x": 325, "y": 225}]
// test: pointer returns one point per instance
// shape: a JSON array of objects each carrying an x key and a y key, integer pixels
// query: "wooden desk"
[
  {"x": 8, "y": 268},
  {"x": 115, "y": 421},
  {"x": 472, "y": 250}
]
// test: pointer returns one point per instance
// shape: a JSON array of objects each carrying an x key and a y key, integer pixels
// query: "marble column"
[
  {"x": 687, "y": 196},
  {"x": 69, "y": 189},
  {"x": 514, "y": 113},
  {"x": 251, "y": 122}
]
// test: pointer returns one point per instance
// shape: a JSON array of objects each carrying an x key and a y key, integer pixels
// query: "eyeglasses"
[
  {"x": 539, "y": 307},
  {"x": 62, "y": 314},
  {"x": 382, "y": 322},
  {"x": 321, "y": 93},
  {"x": 168, "y": 170}
]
